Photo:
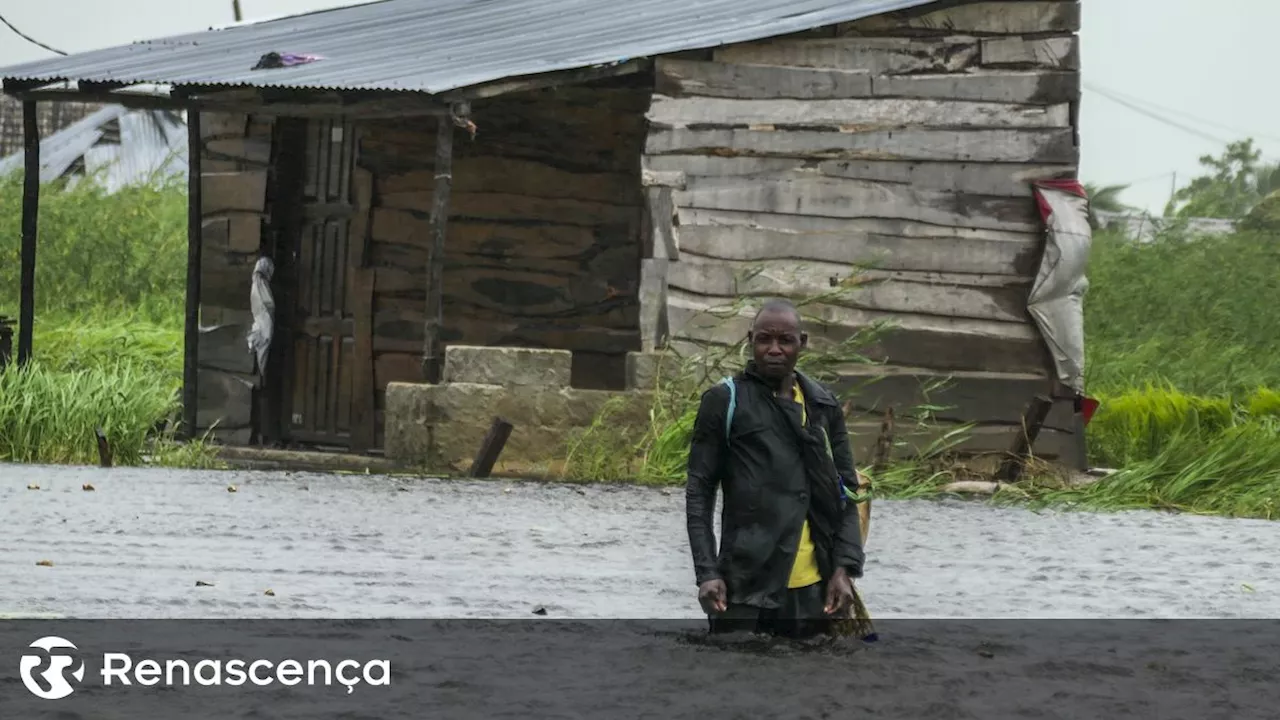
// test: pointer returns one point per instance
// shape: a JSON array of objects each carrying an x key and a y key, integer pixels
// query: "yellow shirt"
[{"x": 805, "y": 570}]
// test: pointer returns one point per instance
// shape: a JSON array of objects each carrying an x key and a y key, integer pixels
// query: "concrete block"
[
  {"x": 534, "y": 367},
  {"x": 441, "y": 426}
]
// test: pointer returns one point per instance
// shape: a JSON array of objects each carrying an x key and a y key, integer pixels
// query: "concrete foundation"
[{"x": 440, "y": 427}]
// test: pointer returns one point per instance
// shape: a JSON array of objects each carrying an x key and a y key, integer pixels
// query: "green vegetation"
[{"x": 108, "y": 338}]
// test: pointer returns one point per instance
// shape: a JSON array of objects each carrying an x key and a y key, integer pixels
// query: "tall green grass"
[
  {"x": 108, "y": 333},
  {"x": 1196, "y": 314},
  {"x": 98, "y": 254}
]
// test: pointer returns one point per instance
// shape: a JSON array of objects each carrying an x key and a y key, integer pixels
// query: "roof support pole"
[
  {"x": 433, "y": 351},
  {"x": 30, "y": 217},
  {"x": 191, "y": 332}
]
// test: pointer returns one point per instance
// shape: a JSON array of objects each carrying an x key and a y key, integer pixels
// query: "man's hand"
[
  {"x": 713, "y": 596},
  {"x": 839, "y": 593}
]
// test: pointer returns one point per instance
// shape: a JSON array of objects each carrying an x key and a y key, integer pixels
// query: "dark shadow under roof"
[{"x": 433, "y": 46}]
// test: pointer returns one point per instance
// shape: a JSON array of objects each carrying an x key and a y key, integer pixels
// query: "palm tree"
[{"x": 1106, "y": 199}]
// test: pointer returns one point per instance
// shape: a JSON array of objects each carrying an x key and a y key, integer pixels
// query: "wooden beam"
[
  {"x": 860, "y": 115},
  {"x": 490, "y": 448},
  {"x": 411, "y": 105},
  {"x": 546, "y": 80},
  {"x": 30, "y": 217},
  {"x": 104, "y": 448},
  {"x": 1032, "y": 423},
  {"x": 661, "y": 213},
  {"x": 433, "y": 353},
  {"x": 190, "y": 360}
]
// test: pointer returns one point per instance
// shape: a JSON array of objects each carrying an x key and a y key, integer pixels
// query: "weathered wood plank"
[
  {"x": 861, "y": 248},
  {"x": 661, "y": 214},
  {"x": 653, "y": 303},
  {"x": 981, "y": 440},
  {"x": 564, "y": 336},
  {"x": 982, "y": 297},
  {"x": 950, "y": 397},
  {"x": 256, "y": 151},
  {"x": 678, "y": 78},
  {"x": 518, "y": 176},
  {"x": 874, "y": 55},
  {"x": 238, "y": 232},
  {"x": 224, "y": 399},
  {"x": 925, "y": 341},
  {"x": 1030, "y": 88},
  {"x": 1003, "y": 179},
  {"x": 1014, "y": 146},
  {"x": 996, "y": 18},
  {"x": 860, "y": 114},
  {"x": 649, "y": 178},
  {"x": 222, "y": 192},
  {"x": 497, "y": 238},
  {"x": 361, "y": 280},
  {"x": 396, "y": 367},
  {"x": 362, "y": 368},
  {"x": 838, "y": 197},
  {"x": 503, "y": 206},
  {"x": 1059, "y": 53},
  {"x": 223, "y": 347},
  {"x": 221, "y": 125},
  {"x": 816, "y": 224}
]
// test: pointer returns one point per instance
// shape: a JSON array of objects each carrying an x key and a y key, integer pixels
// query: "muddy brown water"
[
  {"x": 341, "y": 546},
  {"x": 380, "y": 547}
]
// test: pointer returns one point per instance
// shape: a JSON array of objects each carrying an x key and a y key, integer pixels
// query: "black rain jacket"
[{"x": 775, "y": 473}]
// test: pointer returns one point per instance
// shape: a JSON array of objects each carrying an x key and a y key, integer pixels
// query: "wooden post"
[
  {"x": 191, "y": 336},
  {"x": 30, "y": 217},
  {"x": 433, "y": 354},
  {"x": 104, "y": 448},
  {"x": 491, "y": 448},
  {"x": 1034, "y": 419}
]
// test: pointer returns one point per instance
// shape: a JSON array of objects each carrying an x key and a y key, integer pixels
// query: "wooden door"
[{"x": 332, "y": 325}]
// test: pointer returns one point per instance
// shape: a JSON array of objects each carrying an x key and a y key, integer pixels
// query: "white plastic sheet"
[
  {"x": 1057, "y": 297},
  {"x": 263, "y": 307}
]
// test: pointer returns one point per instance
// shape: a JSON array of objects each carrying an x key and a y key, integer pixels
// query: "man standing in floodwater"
[{"x": 776, "y": 441}]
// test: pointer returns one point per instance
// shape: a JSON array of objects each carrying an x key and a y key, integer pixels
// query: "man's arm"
[
  {"x": 847, "y": 550},
  {"x": 706, "y": 454}
]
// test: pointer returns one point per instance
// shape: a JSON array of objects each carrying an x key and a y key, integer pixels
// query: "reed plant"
[{"x": 108, "y": 335}]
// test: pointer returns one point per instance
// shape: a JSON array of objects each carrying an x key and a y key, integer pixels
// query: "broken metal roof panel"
[{"x": 434, "y": 46}]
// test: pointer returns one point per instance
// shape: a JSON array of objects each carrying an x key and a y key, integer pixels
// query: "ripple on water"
[{"x": 355, "y": 546}]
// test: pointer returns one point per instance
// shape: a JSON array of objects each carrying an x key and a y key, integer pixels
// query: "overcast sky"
[{"x": 1206, "y": 65}]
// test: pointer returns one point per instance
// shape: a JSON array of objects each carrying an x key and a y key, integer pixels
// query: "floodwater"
[{"x": 380, "y": 547}]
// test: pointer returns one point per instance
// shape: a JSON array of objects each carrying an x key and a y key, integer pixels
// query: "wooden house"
[{"x": 591, "y": 176}]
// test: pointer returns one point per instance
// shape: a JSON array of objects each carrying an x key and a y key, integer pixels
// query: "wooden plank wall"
[
  {"x": 235, "y": 159},
  {"x": 905, "y": 143},
  {"x": 543, "y": 236}
]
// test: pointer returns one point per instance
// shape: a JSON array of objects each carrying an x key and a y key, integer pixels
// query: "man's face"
[{"x": 776, "y": 342}]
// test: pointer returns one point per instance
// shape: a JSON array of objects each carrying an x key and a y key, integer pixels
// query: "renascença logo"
[
  {"x": 55, "y": 677},
  {"x": 123, "y": 669}
]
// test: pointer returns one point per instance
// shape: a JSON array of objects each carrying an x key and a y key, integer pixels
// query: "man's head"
[{"x": 776, "y": 339}]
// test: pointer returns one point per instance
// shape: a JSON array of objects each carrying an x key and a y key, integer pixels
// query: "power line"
[
  {"x": 1160, "y": 118},
  {"x": 28, "y": 38},
  {"x": 1203, "y": 121}
]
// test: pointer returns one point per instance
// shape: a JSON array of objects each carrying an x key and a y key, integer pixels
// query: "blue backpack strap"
[{"x": 733, "y": 405}]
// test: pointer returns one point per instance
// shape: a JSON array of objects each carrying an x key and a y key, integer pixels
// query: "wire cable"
[
  {"x": 28, "y": 38},
  {"x": 1161, "y": 119},
  {"x": 1173, "y": 111}
]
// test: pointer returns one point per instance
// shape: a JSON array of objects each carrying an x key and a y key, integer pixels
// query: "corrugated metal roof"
[
  {"x": 438, "y": 45},
  {"x": 151, "y": 146}
]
